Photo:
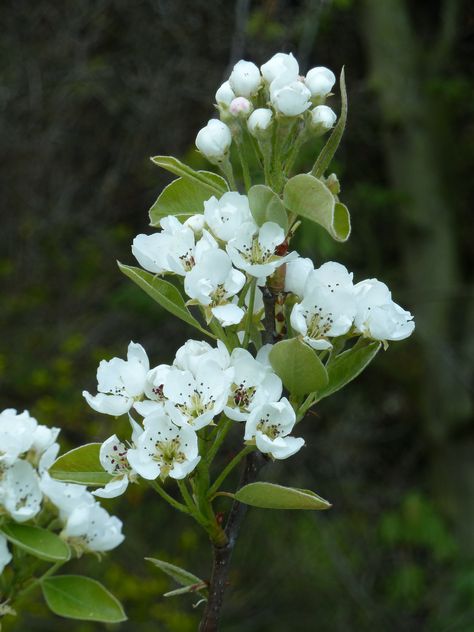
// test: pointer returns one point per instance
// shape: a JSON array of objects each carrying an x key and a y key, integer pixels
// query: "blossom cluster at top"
[
  {"x": 178, "y": 400},
  {"x": 27, "y": 450},
  {"x": 259, "y": 95}
]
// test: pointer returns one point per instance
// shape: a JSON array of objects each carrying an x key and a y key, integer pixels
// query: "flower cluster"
[
  {"x": 177, "y": 401},
  {"x": 260, "y": 96},
  {"x": 27, "y": 491},
  {"x": 214, "y": 251}
]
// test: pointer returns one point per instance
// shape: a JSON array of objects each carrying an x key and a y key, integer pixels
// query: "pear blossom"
[
  {"x": 20, "y": 492},
  {"x": 91, "y": 527},
  {"x": 245, "y": 79},
  {"x": 259, "y": 122},
  {"x": 289, "y": 99},
  {"x": 120, "y": 382},
  {"x": 322, "y": 119},
  {"x": 254, "y": 383},
  {"x": 196, "y": 223},
  {"x": 164, "y": 449},
  {"x": 193, "y": 353},
  {"x": 280, "y": 64},
  {"x": 194, "y": 399},
  {"x": 225, "y": 95},
  {"x": 214, "y": 140},
  {"x": 297, "y": 272},
  {"x": 269, "y": 425},
  {"x": 320, "y": 81},
  {"x": 5, "y": 555},
  {"x": 378, "y": 316},
  {"x": 225, "y": 216},
  {"x": 64, "y": 496},
  {"x": 113, "y": 458},
  {"x": 328, "y": 307},
  {"x": 253, "y": 249},
  {"x": 17, "y": 432}
]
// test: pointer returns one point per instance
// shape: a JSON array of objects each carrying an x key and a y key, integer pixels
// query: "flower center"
[
  {"x": 241, "y": 395},
  {"x": 319, "y": 323},
  {"x": 270, "y": 430}
]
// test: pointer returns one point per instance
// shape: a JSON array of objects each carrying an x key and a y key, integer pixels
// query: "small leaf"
[
  {"x": 298, "y": 366},
  {"x": 193, "y": 588},
  {"x": 308, "y": 197},
  {"x": 164, "y": 293},
  {"x": 271, "y": 496},
  {"x": 182, "y": 197},
  {"x": 266, "y": 206},
  {"x": 38, "y": 542},
  {"x": 183, "y": 577},
  {"x": 347, "y": 366},
  {"x": 76, "y": 597},
  {"x": 215, "y": 183},
  {"x": 327, "y": 153},
  {"x": 81, "y": 465}
]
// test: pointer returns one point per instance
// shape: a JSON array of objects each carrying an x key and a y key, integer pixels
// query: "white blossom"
[
  {"x": 5, "y": 555},
  {"x": 164, "y": 449},
  {"x": 289, "y": 99},
  {"x": 113, "y": 458},
  {"x": 196, "y": 223},
  {"x": 64, "y": 496},
  {"x": 378, "y": 317},
  {"x": 245, "y": 79},
  {"x": 194, "y": 399},
  {"x": 280, "y": 64},
  {"x": 20, "y": 492},
  {"x": 269, "y": 426},
  {"x": 225, "y": 95},
  {"x": 320, "y": 81},
  {"x": 225, "y": 216},
  {"x": 254, "y": 383},
  {"x": 17, "y": 431},
  {"x": 253, "y": 249},
  {"x": 322, "y": 119},
  {"x": 120, "y": 382},
  {"x": 193, "y": 353},
  {"x": 93, "y": 528},
  {"x": 214, "y": 140},
  {"x": 296, "y": 275},
  {"x": 259, "y": 122}
]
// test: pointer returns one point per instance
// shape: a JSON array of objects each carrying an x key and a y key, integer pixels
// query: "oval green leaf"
[
  {"x": 327, "y": 153},
  {"x": 298, "y": 366},
  {"x": 347, "y": 366},
  {"x": 81, "y": 465},
  {"x": 38, "y": 542},
  {"x": 164, "y": 293},
  {"x": 271, "y": 496},
  {"x": 77, "y": 597},
  {"x": 308, "y": 197},
  {"x": 182, "y": 197},
  {"x": 266, "y": 206},
  {"x": 183, "y": 577},
  {"x": 215, "y": 183}
]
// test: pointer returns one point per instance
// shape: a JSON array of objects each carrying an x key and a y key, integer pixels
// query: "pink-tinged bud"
[{"x": 240, "y": 106}]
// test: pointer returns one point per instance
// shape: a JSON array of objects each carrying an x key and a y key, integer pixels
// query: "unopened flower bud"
[
  {"x": 322, "y": 119},
  {"x": 290, "y": 99},
  {"x": 245, "y": 79},
  {"x": 260, "y": 121},
  {"x": 224, "y": 94},
  {"x": 320, "y": 81},
  {"x": 196, "y": 223},
  {"x": 214, "y": 140},
  {"x": 240, "y": 107},
  {"x": 280, "y": 64}
]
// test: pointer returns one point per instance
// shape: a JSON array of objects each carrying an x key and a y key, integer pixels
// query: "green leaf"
[
  {"x": 215, "y": 183},
  {"x": 182, "y": 197},
  {"x": 164, "y": 293},
  {"x": 77, "y": 597},
  {"x": 38, "y": 542},
  {"x": 347, "y": 366},
  {"x": 308, "y": 197},
  {"x": 298, "y": 366},
  {"x": 183, "y": 577},
  {"x": 271, "y": 496},
  {"x": 81, "y": 465},
  {"x": 327, "y": 153},
  {"x": 195, "y": 588},
  {"x": 266, "y": 206}
]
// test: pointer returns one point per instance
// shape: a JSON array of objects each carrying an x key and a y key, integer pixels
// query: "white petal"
[
  {"x": 115, "y": 405},
  {"x": 115, "y": 488},
  {"x": 229, "y": 314}
]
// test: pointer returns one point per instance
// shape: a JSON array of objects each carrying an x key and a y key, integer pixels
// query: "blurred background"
[{"x": 88, "y": 91}]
